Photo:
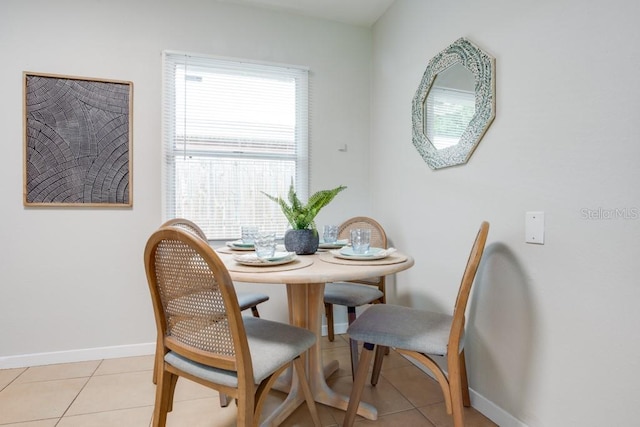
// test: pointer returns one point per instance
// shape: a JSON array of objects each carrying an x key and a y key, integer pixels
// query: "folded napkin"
[
  {"x": 253, "y": 258},
  {"x": 248, "y": 258},
  {"x": 388, "y": 251}
]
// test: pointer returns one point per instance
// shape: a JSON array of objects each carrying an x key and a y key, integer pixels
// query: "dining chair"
[
  {"x": 246, "y": 300},
  {"x": 355, "y": 293},
  {"x": 418, "y": 334},
  {"x": 204, "y": 336}
]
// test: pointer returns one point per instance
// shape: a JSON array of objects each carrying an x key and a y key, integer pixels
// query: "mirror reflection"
[{"x": 449, "y": 106}]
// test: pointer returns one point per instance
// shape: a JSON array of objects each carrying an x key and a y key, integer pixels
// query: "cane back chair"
[
  {"x": 246, "y": 300},
  {"x": 204, "y": 336}
]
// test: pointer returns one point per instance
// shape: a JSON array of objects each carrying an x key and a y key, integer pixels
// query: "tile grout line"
[
  {"x": 408, "y": 400},
  {"x": 80, "y": 391},
  {"x": 14, "y": 380}
]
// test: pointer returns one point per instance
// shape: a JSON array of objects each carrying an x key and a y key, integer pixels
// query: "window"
[{"x": 232, "y": 130}]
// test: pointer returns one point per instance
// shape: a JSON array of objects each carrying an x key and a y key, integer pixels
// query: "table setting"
[
  {"x": 360, "y": 251},
  {"x": 260, "y": 249}
]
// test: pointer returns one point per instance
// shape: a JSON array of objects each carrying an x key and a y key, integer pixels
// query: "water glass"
[
  {"x": 265, "y": 245},
  {"x": 360, "y": 240},
  {"x": 330, "y": 233},
  {"x": 249, "y": 233}
]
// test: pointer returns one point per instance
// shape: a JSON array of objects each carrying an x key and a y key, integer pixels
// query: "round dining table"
[{"x": 305, "y": 278}]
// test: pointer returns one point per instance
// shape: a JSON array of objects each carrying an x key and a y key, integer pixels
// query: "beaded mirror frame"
[{"x": 482, "y": 67}]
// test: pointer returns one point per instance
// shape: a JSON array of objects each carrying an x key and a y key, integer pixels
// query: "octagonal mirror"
[{"x": 454, "y": 104}]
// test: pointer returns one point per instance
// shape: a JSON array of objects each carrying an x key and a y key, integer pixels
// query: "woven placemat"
[
  {"x": 299, "y": 262},
  {"x": 394, "y": 258}
]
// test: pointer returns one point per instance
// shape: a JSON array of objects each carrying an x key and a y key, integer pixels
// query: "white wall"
[
  {"x": 553, "y": 340},
  {"x": 73, "y": 279}
]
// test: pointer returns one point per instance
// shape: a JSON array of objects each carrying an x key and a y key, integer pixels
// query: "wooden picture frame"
[{"x": 77, "y": 141}]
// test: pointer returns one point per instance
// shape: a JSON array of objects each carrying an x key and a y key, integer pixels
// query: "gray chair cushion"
[
  {"x": 272, "y": 344},
  {"x": 403, "y": 327},
  {"x": 350, "y": 294},
  {"x": 250, "y": 299}
]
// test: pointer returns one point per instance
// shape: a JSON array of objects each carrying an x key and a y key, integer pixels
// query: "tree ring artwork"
[{"x": 77, "y": 138}]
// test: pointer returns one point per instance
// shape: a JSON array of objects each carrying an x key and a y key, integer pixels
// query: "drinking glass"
[
  {"x": 360, "y": 240},
  {"x": 330, "y": 233},
  {"x": 265, "y": 245},
  {"x": 249, "y": 233}
]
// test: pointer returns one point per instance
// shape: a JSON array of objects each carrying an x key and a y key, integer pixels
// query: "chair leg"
[
  {"x": 328, "y": 310},
  {"x": 455, "y": 388},
  {"x": 466, "y": 399},
  {"x": 254, "y": 311},
  {"x": 377, "y": 364},
  {"x": 159, "y": 359},
  {"x": 224, "y": 400},
  {"x": 353, "y": 344},
  {"x": 163, "y": 396},
  {"x": 358, "y": 384},
  {"x": 172, "y": 390}
]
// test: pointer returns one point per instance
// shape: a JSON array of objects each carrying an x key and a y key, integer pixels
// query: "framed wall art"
[{"x": 77, "y": 141}]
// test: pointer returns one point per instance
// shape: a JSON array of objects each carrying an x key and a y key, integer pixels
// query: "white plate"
[
  {"x": 277, "y": 259},
  {"x": 335, "y": 245},
  {"x": 239, "y": 246},
  {"x": 372, "y": 254}
]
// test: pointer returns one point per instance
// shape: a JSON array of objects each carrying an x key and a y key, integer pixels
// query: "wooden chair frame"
[{"x": 455, "y": 387}]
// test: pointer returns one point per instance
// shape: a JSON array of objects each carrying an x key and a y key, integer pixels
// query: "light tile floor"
[{"x": 119, "y": 392}]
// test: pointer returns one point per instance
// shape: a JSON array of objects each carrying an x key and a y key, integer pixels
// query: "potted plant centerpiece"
[{"x": 303, "y": 238}]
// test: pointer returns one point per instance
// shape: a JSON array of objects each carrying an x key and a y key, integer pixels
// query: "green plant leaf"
[{"x": 302, "y": 216}]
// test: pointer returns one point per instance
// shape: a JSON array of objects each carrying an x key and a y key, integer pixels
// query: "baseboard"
[
  {"x": 81, "y": 355},
  {"x": 493, "y": 411},
  {"x": 481, "y": 403}
]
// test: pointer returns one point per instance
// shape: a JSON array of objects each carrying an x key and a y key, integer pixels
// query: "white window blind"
[
  {"x": 232, "y": 130},
  {"x": 448, "y": 113}
]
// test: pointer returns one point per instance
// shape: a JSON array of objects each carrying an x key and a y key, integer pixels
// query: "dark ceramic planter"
[{"x": 302, "y": 242}]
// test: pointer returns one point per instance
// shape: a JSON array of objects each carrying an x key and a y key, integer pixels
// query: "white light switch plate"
[{"x": 534, "y": 228}]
